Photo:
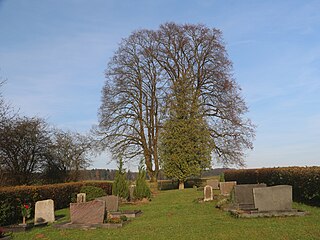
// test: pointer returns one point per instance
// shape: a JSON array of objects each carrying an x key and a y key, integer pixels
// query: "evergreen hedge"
[
  {"x": 11, "y": 198},
  {"x": 305, "y": 181}
]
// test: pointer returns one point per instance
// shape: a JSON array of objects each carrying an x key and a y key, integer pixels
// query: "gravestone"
[
  {"x": 81, "y": 197},
  {"x": 112, "y": 202},
  {"x": 131, "y": 190},
  {"x": 214, "y": 183},
  {"x": 208, "y": 194},
  {"x": 226, "y": 187},
  {"x": 92, "y": 212},
  {"x": 243, "y": 195},
  {"x": 276, "y": 198},
  {"x": 44, "y": 212}
]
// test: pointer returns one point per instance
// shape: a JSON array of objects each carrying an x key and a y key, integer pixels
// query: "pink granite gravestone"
[
  {"x": 226, "y": 187},
  {"x": 214, "y": 183},
  {"x": 92, "y": 212}
]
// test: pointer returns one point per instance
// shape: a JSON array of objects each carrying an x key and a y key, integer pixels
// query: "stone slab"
[
  {"x": 276, "y": 198},
  {"x": 226, "y": 187},
  {"x": 243, "y": 194},
  {"x": 207, "y": 193},
  {"x": 92, "y": 212},
  {"x": 112, "y": 202},
  {"x": 44, "y": 212},
  {"x": 131, "y": 190},
  {"x": 81, "y": 197},
  {"x": 214, "y": 183}
]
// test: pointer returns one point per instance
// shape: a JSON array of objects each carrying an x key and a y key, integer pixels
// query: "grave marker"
[
  {"x": 208, "y": 193},
  {"x": 112, "y": 202},
  {"x": 44, "y": 212},
  {"x": 214, "y": 183},
  {"x": 81, "y": 197},
  {"x": 226, "y": 187},
  {"x": 276, "y": 198},
  {"x": 92, "y": 212}
]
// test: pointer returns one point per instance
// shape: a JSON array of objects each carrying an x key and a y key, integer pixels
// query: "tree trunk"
[{"x": 181, "y": 185}]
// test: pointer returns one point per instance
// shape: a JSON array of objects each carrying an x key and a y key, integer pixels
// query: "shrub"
[
  {"x": 92, "y": 192},
  {"x": 305, "y": 181},
  {"x": 120, "y": 185},
  {"x": 11, "y": 198},
  {"x": 142, "y": 189}
]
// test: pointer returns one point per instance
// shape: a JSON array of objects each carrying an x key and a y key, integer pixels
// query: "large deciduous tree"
[
  {"x": 131, "y": 102},
  {"x": 149, "y": 67}
]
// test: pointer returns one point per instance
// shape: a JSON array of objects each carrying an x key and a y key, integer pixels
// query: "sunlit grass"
[{"x": 175, "y": 214}]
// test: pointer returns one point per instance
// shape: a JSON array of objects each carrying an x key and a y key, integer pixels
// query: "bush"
[
  {"x": 11, "y": 198},
  {"x": 305, "y": 181},
  {"x": 92, "y": 192},
  {"x": 120, "y": 185},
  {"x": 142, "y": 189}
]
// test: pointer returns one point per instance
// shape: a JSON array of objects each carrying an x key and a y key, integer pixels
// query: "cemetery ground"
[{"x": 176, "y": 214}]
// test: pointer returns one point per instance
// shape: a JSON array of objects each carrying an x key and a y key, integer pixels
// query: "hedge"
[
  {"x": 305, "y": 181},
  {"x": 11, "y": 198}
]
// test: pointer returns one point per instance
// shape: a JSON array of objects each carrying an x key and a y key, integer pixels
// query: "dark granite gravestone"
[
  {"x": 276, "y": 198},
  {"x": 226, "y": 187},
  {"x": 92, "y": 212},
  {"x": 243, "y": 195},
  {"x": 208, "y": 194},
  {"x": 112, "y": 202},
  {"x": 214, "y": 183}
]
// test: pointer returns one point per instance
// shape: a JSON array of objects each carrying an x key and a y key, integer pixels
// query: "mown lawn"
[{"x": 175, "y": 214}]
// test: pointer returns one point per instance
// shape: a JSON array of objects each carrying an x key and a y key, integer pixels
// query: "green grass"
[{"x": 175, "y": 214}]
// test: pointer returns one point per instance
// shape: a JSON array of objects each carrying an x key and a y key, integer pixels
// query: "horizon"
[{"x": 54, "y": 55}]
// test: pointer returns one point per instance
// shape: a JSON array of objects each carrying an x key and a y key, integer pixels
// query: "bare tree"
[
  {"x": 23, "y": 148},
  {"x": 69, "y": 153},
  {"x": 144, "y": 74},
  {"x": 131, "y": 102}
]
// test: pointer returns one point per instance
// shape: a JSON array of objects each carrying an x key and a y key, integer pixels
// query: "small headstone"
[
  {"x": 131, "y": 190},
  {"x": 226, "y": 187},
  {"x": 243, "y": 195},
  {"x": 276, "y": 198},
  {"x": 208, "y": 194},
  {"x": 44, "y": 212},
  {"x": 214, "y": 183},
  {"x": 81, "y": 197},
  {"x": 92, "y": 212},
  {"x": 112, "y": 202}
]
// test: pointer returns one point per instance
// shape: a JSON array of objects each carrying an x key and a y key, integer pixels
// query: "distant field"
[{"x": 175, "y": 214}]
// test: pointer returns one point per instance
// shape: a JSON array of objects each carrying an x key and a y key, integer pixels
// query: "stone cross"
[
  {"x": 81, "y": 197},
  {"x": 44, "y": 212},
  {"x": 208, "y": 193}
]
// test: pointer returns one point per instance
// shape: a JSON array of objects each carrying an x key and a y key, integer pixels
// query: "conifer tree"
[
  {"x": 142, "y": 189},
  {"x": 120, "y": 185},
  {"x": 186, "y": 144}
]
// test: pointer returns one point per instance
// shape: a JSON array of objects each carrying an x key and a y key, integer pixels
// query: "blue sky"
[{"x": 54, "y": 54}]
